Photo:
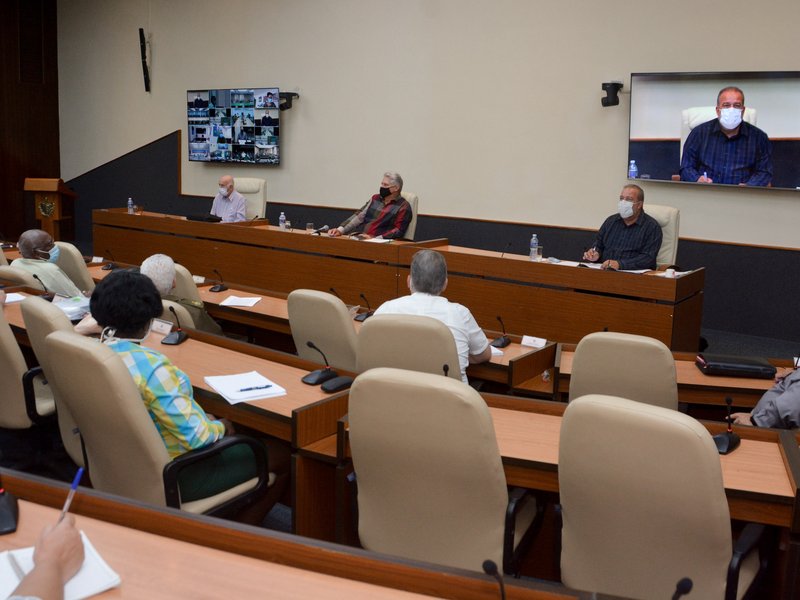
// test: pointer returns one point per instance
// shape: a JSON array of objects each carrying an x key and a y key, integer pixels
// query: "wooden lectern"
[{"x": 55, "y": 206}]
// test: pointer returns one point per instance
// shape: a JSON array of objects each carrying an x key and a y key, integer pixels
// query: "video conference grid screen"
[{"x": 237, "y": 125}]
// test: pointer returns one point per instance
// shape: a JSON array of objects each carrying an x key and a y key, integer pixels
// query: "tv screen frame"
[
  {"x": 657, "y": 100},
  {"x": 234, "y": 125}
]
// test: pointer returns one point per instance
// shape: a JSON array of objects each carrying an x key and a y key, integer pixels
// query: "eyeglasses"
[{"x": 736, "y": 105}]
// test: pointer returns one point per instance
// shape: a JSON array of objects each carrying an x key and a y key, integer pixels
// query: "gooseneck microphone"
[
  {"x": 490, "y": 568},
  {"x": 445, "y": 369},
  {"x": 366, "y": 315},
  {"x": 331, "y": 381},
  {"x": 506, "y": 249},
  {"x": 727, "y": 442},
  {"x": 322, "y": 229},
  {"x": 178, "y": 336},
  {"x": 333, "y": 291},
  {"x": 503, "y": 340},
  {"x": 109, "y": 266},
  {"x": 683, "y": 587},
  {"x": 47, "y": 295},
  {"x": 220, "y": 287}
]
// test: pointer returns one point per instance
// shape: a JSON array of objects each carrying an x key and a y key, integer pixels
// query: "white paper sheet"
[{"x": 242, "y": 387}]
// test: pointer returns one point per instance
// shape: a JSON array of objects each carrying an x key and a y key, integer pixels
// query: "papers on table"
[
  {"x": 379, "y": 240},
  {"x": 75, "y": 308},
  {"x": 239, "y": 301},
  {"x": 198, "y": 279},
  {"x": 94, "y": 576},
  {"x": 496, "y": 351},
  {"x": 533, "y": 342},
  {"x": 637, "y": 271},
  {"x": 97, "y": 260},
  {"x": 244, "y": 386},
  {"x": 12, "y": 297}
]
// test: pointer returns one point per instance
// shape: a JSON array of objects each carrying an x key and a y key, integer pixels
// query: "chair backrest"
[
  {"x": 125, "y": 453},
  {"x": 431, "y": 484},
  {"x": 413, "y": 200},
  {"x": 625, "y": 365},
  {"x": 3, "y": 259},
  {"x": 70, "y": 260},
  {"x": 12, "y": 367},
  {"x": 696, "y": 115},
  {"x": 41, "y": 319},
  {"x": 184, "y": 315},
  {"x": 322, "y": 318},
  {"x": 410, "y": 342},
  {"x": 643, "y": 501},
  {"x": 185, "y": 287},
  {"x": 669, "y": 218},
  {"x": 255, "y": 191},
  {"x": 19, "y": 276}
]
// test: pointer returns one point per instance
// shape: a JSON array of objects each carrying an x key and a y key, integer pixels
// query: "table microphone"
[
  {"x": 220, "y": 287},
  {"x": 333, "y": 291},
  {"x": 490, "y": 568},
  {"x": 445, "y": 369},
  {"x": 319, "y": 375},
  {"x": 503, "y": 340},
  {"x": 727, "y": 442},
  {"x": 109, "y": 266},
  {"x": 506, "y": 249},
  {"x": 47, "y": 295},
  {"x": 683, "y": 587},
  {"x": 178, "y": 336},
  {"x": 366, "y": 315},
  {"x": 322, "y": 229}
]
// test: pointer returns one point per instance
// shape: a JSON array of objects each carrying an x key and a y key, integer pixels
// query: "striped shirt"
[
  {"x": 634, "y": 246},
  {"x": 744, "y": 158},
  {"x": 168, "y": 396},
  {"x": 379, "y": 218}
]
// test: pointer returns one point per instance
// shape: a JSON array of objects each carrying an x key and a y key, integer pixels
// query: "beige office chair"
[
  {"x": 643, "y": 504},
  {"x": 255, "y": 191},
  {"x": 323, "y": 319},
  {"x": 41, "y": 319},
  {"x": 70, "y": 260},
  {"x": 697, "y": 115},
  {"x": 625, "y": 365},
  {"x": 411, "y": 342},
  {"x": 430, "y": 479},
  {"x": 669, "y": 219},
  {"x": 185, "y": 287},
  {"x": 3, "y": 259},
  {"x": 19, "y": 276},
  {"x": 413, "y": 200},
  {"x": 183, "y": 315},
  {"x": 125, "y": 453}
]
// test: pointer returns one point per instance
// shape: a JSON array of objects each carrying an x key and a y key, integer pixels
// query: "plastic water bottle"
[
  {"x": 535, "y": 247},
  {"x": 282, "y": 221},
  {"x": 633, "y": 170},
  {"x": 130, "y": 206}
]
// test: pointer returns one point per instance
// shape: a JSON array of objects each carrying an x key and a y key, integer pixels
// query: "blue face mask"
[{"x": 54, "y": 252}]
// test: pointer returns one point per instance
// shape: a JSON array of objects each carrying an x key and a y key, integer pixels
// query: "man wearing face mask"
[
  {"x": 630, "y": 239},
  {"x": 39, "y": 256},
  {"x": 726, "y": 149},
  {"x": 229, "y": 205},
  {"x": 386, "y": 214}
]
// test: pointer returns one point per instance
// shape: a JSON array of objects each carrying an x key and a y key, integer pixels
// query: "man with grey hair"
[
  {"x": 39, "y": 257},
  {"x": 229, "y": 205},
  {"x": 428, "y": 279},
  {"x": 386, "y": 215}
]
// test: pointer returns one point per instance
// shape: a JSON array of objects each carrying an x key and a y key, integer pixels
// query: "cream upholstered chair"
[
  {"x": 413, "y": 200},
  {"x": 625, "y": 365},
  {"x": 255, "y": 191},
  {"x": 697, "y": 115},
  {"x": 185, "y": 287},
  {"x": 41, "y": 319},
  {"x": 184, "y": 315},
  {"x": 430, "y": 479},
  {"x": 125, "y": 453},
  {"x": 669, "y": 218},
  {"x": 643, "y": 504},
  {"x": 323, "y": 319},
  {"x": 3, "y": 259},
  {"x": 70, "y": 260},
  {"x": 411, "y": 342},
  {"x": 19, "y": 276}
]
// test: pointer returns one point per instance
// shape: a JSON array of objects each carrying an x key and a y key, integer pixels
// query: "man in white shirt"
[
  {"x": 229, "y": 205},
  {"x": 427, "y": 280},
  {"x": 39, "y": 255}
]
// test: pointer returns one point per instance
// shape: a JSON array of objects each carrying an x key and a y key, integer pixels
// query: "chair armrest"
[
  {"x": 173, "y": 468},
  {"x": 748, "y": 540},
  {"x": 517, "y": 499},
  {"x": 30, "y": 396}
]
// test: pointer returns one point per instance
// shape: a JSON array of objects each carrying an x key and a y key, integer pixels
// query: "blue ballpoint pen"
[
  {"x": 71, "y": 494},
  {"x": 254, "y": 388}
]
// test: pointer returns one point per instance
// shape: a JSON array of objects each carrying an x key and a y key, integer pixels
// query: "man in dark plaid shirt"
[
  {"x": 726, "y": 149},
  {"x": 386, "y": 214},
  {"x": 628, "y": 240}
]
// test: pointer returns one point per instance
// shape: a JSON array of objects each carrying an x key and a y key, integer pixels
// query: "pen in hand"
[
  {"x": 255, "y": 387},
  {"x": 71, "y": 494}
]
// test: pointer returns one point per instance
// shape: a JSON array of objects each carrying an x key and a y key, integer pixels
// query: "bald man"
[
  {"x": 39, "y": 256},
  {"x": 229, "y": 205}
]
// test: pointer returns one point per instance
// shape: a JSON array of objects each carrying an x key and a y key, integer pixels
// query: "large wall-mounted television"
[
  {"x": 659, "y": 99},
  {"x": 239, "y": 125}
]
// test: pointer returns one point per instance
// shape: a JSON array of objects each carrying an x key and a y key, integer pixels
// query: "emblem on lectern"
[{"x": 47, "y": 207}]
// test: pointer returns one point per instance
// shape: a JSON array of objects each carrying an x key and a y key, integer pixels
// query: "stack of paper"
[
  {"x": 239, "y": 301},
  {"x": 94, "y": 576},
  {"x": 14, "y": 297},
  {"x": 244, "y": 387}
]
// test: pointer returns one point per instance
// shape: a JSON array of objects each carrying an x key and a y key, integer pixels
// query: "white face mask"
[
  {"x": 625, "y": 208},
  {"x": 223, "y": 191},
  {"x": 730, "y": 118}
]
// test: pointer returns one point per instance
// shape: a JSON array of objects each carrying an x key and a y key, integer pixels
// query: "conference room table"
[
  {"x": 543, "y": 299},
  {"x": 167, "y": 553}
]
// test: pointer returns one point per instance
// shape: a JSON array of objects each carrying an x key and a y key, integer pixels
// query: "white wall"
[{"x": 488, "y": 109}]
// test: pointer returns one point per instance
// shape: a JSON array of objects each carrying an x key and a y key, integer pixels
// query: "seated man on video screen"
[
  {"x": 387, "y": 214},
  {"x": 229, "y": 205},
  {"x": 726, "y": 149}
]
